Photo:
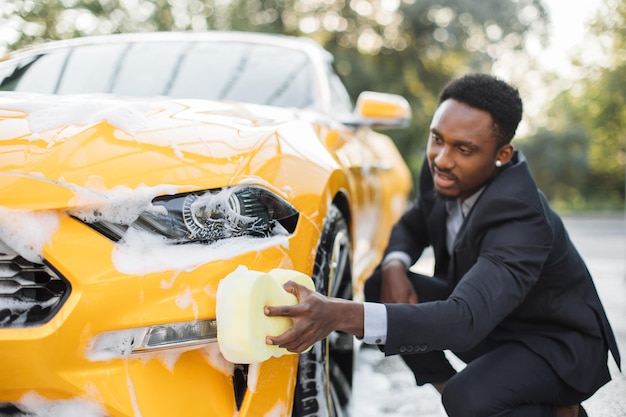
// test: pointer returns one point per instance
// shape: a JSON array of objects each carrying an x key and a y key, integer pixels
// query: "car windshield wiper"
[
  {"x": 8, "y": 82},
  {"x": 284, "y": 86},
  {"x": 236, "y": 75}
]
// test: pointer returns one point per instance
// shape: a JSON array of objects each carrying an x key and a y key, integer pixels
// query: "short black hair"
[{"x": 486, "y": 92}]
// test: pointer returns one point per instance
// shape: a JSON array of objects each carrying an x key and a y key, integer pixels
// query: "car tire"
[{"x": 324, "y": 381}]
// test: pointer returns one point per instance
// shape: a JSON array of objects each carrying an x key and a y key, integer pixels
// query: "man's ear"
[{"x": 505, "y": 154}]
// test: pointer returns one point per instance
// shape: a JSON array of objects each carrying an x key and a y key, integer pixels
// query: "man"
[{"x": 510, "y": 295}]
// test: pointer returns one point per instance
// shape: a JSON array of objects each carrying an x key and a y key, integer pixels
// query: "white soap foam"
[
  {"x": 38, "y": 406},
  {"x": 49, "y": 113},
  {"x": 27, "y": 232}
]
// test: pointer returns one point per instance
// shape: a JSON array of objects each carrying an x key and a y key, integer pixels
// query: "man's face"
[{"x": 462, "y": 149}]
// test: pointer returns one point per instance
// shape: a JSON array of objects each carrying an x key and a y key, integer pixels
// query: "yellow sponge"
[{"x": 241, "y": 323}]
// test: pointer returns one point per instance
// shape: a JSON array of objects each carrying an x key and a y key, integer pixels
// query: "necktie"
[{"x": 453, "y": 222}]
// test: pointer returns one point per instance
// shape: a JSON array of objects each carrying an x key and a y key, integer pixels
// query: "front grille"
[{"x": 30, "y": 293}]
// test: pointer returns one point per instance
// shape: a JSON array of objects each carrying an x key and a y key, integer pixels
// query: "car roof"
[{"x": 309, "y": 46}]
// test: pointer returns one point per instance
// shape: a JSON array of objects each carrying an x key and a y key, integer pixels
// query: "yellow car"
[{"x": 139, "y": 170}]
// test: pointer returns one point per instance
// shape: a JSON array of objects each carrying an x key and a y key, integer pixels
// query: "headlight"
[{"x": 211, "y": 216}]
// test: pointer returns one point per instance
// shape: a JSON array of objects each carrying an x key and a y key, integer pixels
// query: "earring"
[{"x": 498, "y": 163}]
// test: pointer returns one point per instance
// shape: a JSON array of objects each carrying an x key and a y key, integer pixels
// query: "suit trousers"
[{"x": 499, "y": 378}]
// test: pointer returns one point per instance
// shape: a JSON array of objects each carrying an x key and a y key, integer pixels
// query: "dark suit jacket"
[{"x": 516, "y": 276}]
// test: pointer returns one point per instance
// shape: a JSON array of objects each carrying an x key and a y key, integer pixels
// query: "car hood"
[{"x": 54, "y": 147}]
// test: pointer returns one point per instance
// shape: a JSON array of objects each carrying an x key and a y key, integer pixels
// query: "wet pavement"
[{"x": 385, "y": 386}]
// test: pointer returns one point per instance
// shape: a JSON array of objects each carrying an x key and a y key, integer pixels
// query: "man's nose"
[{"x": 443, "y": 158}]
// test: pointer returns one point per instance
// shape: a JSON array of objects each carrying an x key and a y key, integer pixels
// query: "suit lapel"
[
  {"x": 462, "y": 254},
  {"x": 437, "y": 230}
]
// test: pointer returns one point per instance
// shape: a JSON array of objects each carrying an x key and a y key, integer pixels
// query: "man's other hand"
[{"x": 396, "y": 287}]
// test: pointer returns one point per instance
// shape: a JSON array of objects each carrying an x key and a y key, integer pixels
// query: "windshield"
[{"x": 233, "y": 71}]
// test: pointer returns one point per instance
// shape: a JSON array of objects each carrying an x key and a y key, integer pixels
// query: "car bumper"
[{"x": 55, "y": 362}]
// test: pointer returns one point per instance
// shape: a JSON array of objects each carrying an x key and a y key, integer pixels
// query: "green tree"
[
  {"x": 448, "y": 38},
  {"x": 605, "y": 113},
  {"x": 597, "y": 104},
  {"x": 561, "y": 155}
]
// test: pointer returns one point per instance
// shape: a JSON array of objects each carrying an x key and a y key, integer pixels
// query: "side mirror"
[{"x": 382, "y": 111}]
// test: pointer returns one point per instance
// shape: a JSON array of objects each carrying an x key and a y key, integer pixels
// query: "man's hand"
[
  {"x": 314, "y": 317},
  {"x": 396, "y": 287}
]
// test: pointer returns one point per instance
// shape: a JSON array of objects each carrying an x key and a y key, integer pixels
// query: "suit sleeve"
[
  {"x": 410, "y": 233},
  {"x": 504, "y": 251}
]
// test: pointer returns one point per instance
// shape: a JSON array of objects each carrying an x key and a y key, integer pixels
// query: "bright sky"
[{"x": 570, "y": 19}]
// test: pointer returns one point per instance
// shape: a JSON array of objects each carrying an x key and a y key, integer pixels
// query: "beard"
[{"x": 443, "y": 197}]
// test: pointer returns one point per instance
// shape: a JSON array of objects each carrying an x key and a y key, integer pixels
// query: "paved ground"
[{"x": 385, "y": 387}]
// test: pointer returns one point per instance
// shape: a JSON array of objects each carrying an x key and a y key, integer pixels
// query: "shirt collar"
[{"x": 467, "y": 204}]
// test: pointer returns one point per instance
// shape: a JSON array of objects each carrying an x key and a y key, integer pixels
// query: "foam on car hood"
[{"x": 192, "y": 144}]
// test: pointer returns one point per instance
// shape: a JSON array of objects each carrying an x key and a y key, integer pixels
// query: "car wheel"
[{"x": 324, "y": 382}]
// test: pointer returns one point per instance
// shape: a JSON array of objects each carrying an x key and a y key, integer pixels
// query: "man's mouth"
[{"x": 443, "y": 179}]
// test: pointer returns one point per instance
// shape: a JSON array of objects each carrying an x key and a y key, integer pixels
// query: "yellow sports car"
[{"x": 139, "y": 170}]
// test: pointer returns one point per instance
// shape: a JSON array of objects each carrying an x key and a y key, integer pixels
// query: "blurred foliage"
[
  {"x": 407, "y": 47},
  {"x": 561, "y": 155},
  {"x": 580, "y": 162}
]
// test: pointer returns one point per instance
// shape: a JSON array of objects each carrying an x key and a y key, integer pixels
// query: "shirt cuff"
[
  {"x": 374, "y": 323},
  {"x": 400, "y": 256}
]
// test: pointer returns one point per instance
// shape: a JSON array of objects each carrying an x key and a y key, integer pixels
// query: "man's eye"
[{"x": 464, "y": 150}]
